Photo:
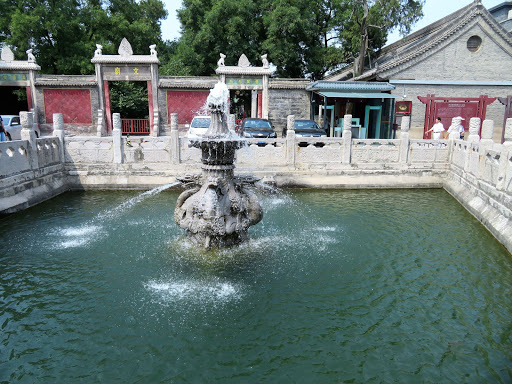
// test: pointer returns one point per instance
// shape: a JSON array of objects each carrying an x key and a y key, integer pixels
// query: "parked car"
[
  {"x": 257, "y": 128},
  {"x": 12, "y": 127},
  {"x": 198, "y": 127},
  {"x": 308, "y": 128}
]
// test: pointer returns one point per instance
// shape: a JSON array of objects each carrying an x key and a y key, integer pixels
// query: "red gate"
[
  {"x": 135, "y": 126},
  {"x": 449, "y": 107}
]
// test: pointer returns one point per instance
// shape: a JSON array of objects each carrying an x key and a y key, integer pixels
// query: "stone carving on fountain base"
[{"x": 218, "y": 208}]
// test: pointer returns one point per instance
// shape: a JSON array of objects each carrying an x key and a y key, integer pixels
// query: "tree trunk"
[{"x": 363, "y": 48}]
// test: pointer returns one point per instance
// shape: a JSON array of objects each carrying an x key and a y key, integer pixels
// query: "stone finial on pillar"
[
  {"x": 27, "y": 120},
  {"x": 404, "y": 138},
  {"x": 290, "y": 140},
  {"x": 405, "y": 124},
  {"x": 347, "y": 124},
  {"x": 117, "y": 138},
  {"x": 487, "y": 132},
  {"x": 58, "y": 122},
  {"x": 175, "y": 139},
  {"x": 347, "y": 138},
  {"x": 28, "y": 133},
  {"x": 454, "y": 127},
  {"x": 508, "y": 133},
  {"x": 58, "y": 131},
  {"x": 474, "y": 127},
  {"x": 174, "y": 122},
  {"x": 290, "y": 123}
]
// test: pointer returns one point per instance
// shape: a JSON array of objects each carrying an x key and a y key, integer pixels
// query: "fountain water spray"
[{"x": 218, "y": 208}]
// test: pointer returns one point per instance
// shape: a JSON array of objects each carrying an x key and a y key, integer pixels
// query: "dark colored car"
[
  {"x": 308, "y": 128},
  {"x": 257, "y": 128}
]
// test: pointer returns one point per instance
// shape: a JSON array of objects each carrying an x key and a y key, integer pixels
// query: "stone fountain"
[{"x": 218, "y": 208}]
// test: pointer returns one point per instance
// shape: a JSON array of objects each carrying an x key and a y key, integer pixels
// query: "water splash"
[{"x": 90, "y": 230}]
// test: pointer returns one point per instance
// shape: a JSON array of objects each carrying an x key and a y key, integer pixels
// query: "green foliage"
[
  {"x": 63, "y": 33},
  {"x": 130, "y": 99},
  {"x": 301, "y": 37}
]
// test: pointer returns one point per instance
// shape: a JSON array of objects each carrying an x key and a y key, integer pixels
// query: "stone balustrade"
[{"x": 479, "y": 165}]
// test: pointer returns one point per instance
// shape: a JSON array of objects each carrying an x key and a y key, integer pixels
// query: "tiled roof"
[
  {"x": 427, "y": 38},
  {"x": 350, "y": 86}
]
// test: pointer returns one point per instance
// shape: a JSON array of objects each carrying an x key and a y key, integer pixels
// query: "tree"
[
  {"x": 369, "y": 23},
  {"x": 210, "y": 27},
  {"x": 63, "y": 33},
  {"x": 303, "y": 38}
]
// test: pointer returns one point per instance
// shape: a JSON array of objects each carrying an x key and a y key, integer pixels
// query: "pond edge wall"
[{"x": 476, "y": 172}]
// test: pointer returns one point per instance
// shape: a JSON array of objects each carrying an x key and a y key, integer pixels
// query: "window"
[{"x": 474, "y": 43}]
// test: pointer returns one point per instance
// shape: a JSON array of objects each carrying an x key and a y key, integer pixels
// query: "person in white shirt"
[{"x": 437, "y": 128}]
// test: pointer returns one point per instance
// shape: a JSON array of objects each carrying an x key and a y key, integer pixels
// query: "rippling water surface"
[{"x": 335, "y": 286}]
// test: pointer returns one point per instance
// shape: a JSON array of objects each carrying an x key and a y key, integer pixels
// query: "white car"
[
  {"x": 13, "y": 127},
  {"x": 198, "y": 127}
]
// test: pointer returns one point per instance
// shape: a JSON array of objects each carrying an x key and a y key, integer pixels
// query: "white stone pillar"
[
  {"x": 154, "y": 92},
  {"x": 290, "y": 140},
  {"x": 487, "y": 132},
  {"x": 28, "y": 133},
  {"x": 264, "y": 102},
  {"x": 508, "y": 134},
  {"x": 454, "y": 134},
  {"x": 254, "y": 103},
  {"x": 474, "y": 127},
  {"x": 35, "y": 104},
  {"x": 117, "y": 138},
  {"x": 58, "y": 131},
  {"x": 347, "y": 138},
  {"x": 175, "y": 139},
  {"x": 404, "y": 138}
]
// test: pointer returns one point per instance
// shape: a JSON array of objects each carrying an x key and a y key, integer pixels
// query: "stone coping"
[
  {"x": 18, "y": 65},
  {"x": 120, "y": 59}
]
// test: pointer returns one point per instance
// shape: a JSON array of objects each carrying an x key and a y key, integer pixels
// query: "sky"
[{"x": 433, "y": 10}]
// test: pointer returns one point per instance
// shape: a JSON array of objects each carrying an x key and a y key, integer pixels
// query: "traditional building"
[{"x": 458, "y": 66}]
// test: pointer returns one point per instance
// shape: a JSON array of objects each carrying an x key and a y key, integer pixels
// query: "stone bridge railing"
[{"x": 478, "y": 172}]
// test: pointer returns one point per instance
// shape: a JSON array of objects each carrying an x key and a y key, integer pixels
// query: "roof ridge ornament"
[
  {"x": 125, "y": 48},
  {"x": 243, "y": 61},
  {"x": 7, "y": 54}
]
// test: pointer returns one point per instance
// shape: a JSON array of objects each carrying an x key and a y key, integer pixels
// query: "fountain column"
[{"x": 218, "y": 208}]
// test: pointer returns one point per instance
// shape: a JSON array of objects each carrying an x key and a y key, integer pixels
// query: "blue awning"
[{"x": 357, "y": 95}]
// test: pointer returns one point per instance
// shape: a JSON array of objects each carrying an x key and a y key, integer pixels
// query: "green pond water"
[{"x": 334, "y": 287}]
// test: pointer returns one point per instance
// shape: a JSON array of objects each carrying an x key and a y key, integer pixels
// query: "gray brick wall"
[
  {"x": 284, "y": 102},
  {"x": 456, "y": 63}
]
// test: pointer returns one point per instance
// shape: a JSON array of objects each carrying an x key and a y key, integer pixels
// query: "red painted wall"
[
  {"x": 185, "y": 103},
  {"x": 74, "y": 104}
]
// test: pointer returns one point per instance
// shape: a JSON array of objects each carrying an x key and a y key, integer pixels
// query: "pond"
[{"x": 334, "y": 286}]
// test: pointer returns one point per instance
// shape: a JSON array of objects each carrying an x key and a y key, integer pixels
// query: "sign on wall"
[
  {"x": 403, "y": 107},
  {"x": 243, "y": 81},
  {"x": 126, "y": 72},
  {"x": 447, "y": 111}
]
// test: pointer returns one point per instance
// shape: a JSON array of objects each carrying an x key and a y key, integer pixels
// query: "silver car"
[{"x": 12, "y": 127}]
